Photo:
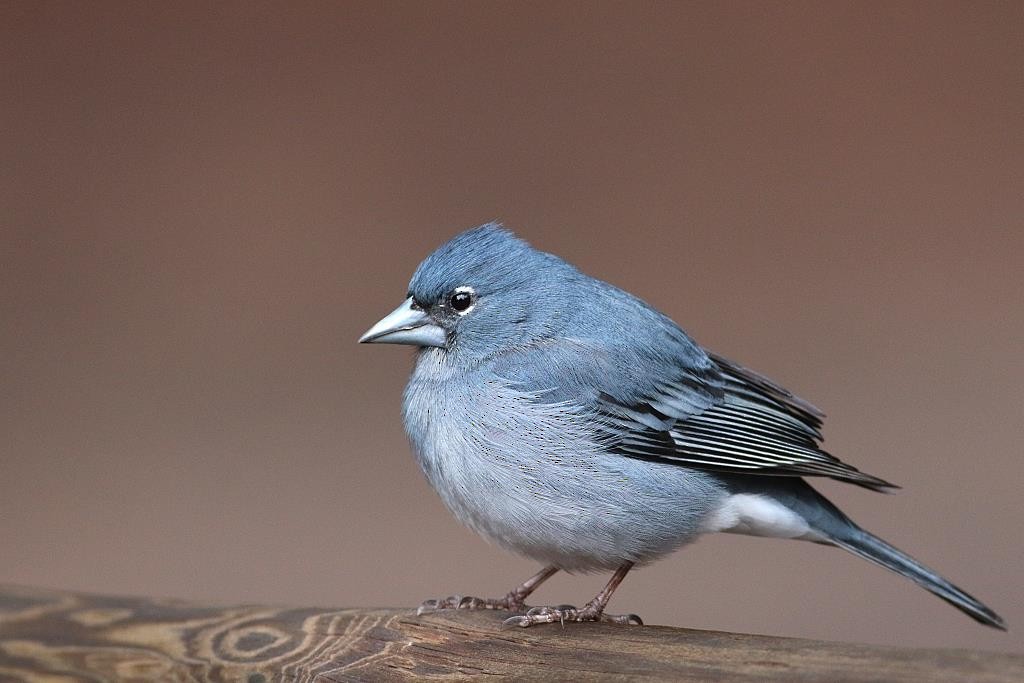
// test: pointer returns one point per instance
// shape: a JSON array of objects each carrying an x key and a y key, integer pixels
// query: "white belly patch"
[{"x": 757, "y": 515}]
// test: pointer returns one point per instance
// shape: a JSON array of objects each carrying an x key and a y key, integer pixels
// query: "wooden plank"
[{"x": 58, "y": 637}]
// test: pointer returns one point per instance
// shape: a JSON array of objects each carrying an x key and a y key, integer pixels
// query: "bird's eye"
[{"x": 462, "y": 299}]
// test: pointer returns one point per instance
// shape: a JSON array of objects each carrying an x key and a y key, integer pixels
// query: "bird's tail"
[
  {"x": 870, "y": 547},
  {"x": 834, "y": 528}
]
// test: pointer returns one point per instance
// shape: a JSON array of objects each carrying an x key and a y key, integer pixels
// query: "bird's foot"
[
  {"x": 568, "y": 613},
  {"x": 513, "y": 601},
  {"x": 510, "y": 602}
]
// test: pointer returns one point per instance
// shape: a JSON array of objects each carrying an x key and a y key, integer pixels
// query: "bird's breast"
[{"x": 534, "y": 476}]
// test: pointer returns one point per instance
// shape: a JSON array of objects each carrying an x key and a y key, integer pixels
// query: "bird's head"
[{"x": 482, "y": 292}]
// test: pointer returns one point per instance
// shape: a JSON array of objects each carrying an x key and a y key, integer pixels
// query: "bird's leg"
[
  {"x": 513, "y": 601},
  {"x": 592, "y": 611}
]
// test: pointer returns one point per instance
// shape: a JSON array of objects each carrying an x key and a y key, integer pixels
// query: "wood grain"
[{"x": 58, "y": 637}]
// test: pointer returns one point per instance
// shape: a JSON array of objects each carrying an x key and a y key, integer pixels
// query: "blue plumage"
[{"x": 567, "y": 420}]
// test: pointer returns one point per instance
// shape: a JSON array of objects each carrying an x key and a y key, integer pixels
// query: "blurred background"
[{"x": 203, "y": 206}]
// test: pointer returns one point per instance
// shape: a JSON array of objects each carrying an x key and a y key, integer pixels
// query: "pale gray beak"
[{"x": 406, "y": 325}]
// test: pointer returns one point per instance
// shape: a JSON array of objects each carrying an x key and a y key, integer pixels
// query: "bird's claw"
[
  {"x": 427, "y": 606},
  {"x": 465, "y": 602},
  {"x": 628, "y": 619},
  {"x": 566, "y": 614}
]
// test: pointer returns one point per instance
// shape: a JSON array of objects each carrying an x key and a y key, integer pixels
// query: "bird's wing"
[
  {"x": 703, "y": 412},
  {"x": 753, "y": 426}
]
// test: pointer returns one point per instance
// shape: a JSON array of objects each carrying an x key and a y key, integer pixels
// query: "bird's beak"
[{"x": 406, "y": 325}]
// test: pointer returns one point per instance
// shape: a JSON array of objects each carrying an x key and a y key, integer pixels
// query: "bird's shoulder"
[{"x": 614, "y": 350}]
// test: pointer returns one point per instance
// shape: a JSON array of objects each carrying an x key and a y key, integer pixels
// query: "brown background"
[{"x": 203, "y": 207}]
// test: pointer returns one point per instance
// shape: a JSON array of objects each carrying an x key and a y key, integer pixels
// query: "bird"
[{"x": 568, "y": 421}]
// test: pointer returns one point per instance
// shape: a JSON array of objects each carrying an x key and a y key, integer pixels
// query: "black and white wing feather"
[{"x": 727, "y": 418}]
